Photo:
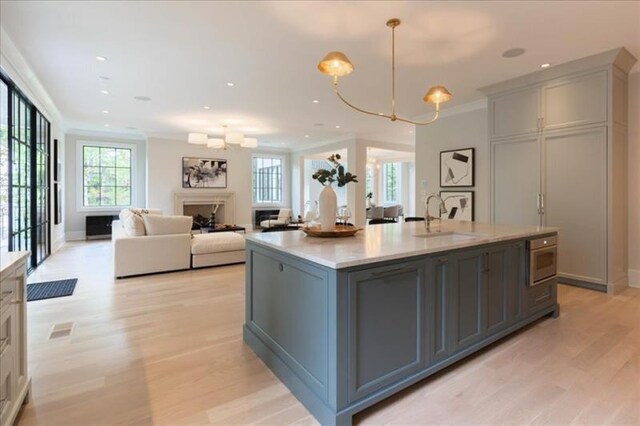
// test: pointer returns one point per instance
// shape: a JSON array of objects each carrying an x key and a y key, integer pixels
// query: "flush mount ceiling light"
[
  {"x": 101, "y": 58},
  {"x": 229, "y": 140},
  {"x": 336, "y": 64}
]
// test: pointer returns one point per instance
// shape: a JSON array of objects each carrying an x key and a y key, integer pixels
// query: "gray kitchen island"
[{"x": 346, "y": 322}]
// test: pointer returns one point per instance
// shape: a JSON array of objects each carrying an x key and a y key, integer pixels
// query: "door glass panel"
[{"x": 4, "y": 168}]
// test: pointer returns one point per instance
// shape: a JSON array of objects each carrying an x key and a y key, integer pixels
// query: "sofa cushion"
[
  {"x": 133, "y": 225},
  {"x": 156, "y": 224},
  {"x": 124, "y": 213},
  {"x": 216, "y": 243}
]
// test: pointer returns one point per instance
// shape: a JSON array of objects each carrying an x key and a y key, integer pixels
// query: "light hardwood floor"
[{"x": 167, "y": 349}]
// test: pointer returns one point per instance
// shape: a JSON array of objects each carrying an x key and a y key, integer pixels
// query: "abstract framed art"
[
  {"x": 204, "y": 173},
  {"x": 459, "y": 205},
  {"x": 457, "y": 168}
]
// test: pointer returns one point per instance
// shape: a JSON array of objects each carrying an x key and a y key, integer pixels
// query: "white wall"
[
  {"x": 22, "y": 75},
  {"x": 464, "y": 130},
  {"x": 165, "y": 174},
  {"x": 634, "y": 179},
  {"x": 74, "y": 217}
]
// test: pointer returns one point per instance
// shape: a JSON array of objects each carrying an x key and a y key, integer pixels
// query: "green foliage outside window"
[{"x": 106, "y": 176}]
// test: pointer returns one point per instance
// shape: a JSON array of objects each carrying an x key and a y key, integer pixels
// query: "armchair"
[{"x": 283, "y": 218}]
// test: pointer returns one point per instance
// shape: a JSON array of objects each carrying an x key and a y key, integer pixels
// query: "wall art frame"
[
  {"x": 204, "y": 172},
  {"x": 460, "y": 205},
  {"x": 457, "y": 168}
]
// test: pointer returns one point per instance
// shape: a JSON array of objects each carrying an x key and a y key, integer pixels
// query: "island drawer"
[{"x": 541, "y": 296}]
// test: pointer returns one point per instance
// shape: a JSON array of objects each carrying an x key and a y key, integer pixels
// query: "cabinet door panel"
[
  {"x": 467, "y": 299},
  {"x": 516, "y": 181},
  {"x": 438, "y": 278},
  {"x": 386, "y": 318},
  {"x": 515, "y": 113},
  {"x": 496, "y": 289},
  {"x": 575, "y": 200},
  {"x": 292, "y": 314},
  {"x": 576, "y": 102}
]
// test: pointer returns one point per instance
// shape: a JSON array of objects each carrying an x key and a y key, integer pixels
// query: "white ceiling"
[{"x": 182, "y": 54}]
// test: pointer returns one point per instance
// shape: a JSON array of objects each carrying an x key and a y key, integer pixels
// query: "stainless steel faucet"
[{"x": 427, "y": 217}]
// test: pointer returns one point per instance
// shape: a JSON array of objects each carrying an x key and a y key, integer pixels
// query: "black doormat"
[{"x": 50, "y": 289}]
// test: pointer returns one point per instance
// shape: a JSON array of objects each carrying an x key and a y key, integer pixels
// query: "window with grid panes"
[
  {"x": 106, "y": 176},
  {"x": 267, "y": 180}
]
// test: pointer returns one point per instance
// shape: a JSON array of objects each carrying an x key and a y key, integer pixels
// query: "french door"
[{"x": 24, "y": 175}]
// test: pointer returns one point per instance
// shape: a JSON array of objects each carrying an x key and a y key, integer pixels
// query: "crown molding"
[
  {"x": 85, "y": 133},
  {"x": 21, "y": 72},
  {"x": 456, "y": 110}
]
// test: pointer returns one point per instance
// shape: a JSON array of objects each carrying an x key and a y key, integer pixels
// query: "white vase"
[{"x": 328, "y": 202}]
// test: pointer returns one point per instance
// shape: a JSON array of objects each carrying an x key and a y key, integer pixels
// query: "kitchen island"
[{"x": 345, "y": 323}]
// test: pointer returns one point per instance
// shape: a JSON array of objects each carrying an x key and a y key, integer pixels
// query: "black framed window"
[
  {"x": 24, "y": 175},
  {"x": 106, "y": 176},
  {"x": 267, "y": 180}
]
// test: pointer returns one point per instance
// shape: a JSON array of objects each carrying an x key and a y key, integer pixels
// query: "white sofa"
[
  {"x": 145, "y": 242},
  {"x": 166, "y": 248}
]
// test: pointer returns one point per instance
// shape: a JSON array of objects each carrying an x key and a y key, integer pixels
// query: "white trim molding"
[
  {"x": 634, "y": 278},
  {"x": 133, "y": 184},
  {"x": 205, "y": 197}
]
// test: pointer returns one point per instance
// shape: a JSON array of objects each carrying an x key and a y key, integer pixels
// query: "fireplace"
[{"x": 203, "y": 202}]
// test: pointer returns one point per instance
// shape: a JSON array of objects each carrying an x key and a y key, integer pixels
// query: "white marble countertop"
[
  {"x": 377, "y": 243},
  {"x": 8, "y": 261}
]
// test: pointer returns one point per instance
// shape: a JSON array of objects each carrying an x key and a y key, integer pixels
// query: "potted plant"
[
  {"x": 328, "y": 201},
  {"x": 369, "y": 197}
]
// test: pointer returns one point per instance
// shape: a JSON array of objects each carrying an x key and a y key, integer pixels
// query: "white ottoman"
[{"x": 219, "y": 248}]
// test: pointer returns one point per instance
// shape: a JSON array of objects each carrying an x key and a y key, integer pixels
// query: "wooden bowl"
[{"x": 338, "y": 232}]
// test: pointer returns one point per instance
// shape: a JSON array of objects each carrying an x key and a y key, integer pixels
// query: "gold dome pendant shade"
[
  {"x": 336, "y": 64},
  {"x": 437, "y": 95}
]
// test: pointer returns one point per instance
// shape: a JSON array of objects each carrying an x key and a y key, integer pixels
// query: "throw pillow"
[{"x": 167, "y": 225}]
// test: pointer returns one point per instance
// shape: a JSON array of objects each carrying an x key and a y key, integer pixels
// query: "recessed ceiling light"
[
  {"x": 105, "y": 111},
  {"x": 101, "y": 58},
  {"x": 104, "y": 92},
  {"x": 306, "y": 136},
  {"x": 142, "y": 98},
  {"x": 410, "y": 132},
  {"x": 337, "y": 127},
  {"x": 106, "y": 125},
  {"x": 104, "y": 77},
  {"x": 315, "y": 101},
  {"x": 512, "y": 53},
  {"x": 230, "y": 84},
  {"x": 206, "y": 107},
  {"x": 545, "y": 65}
]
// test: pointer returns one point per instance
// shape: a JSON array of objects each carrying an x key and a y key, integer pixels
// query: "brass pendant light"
[{"x": 336, "y": 64}]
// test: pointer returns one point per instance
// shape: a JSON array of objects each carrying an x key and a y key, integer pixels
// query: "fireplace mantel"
[{"x": 204, "y": 196}]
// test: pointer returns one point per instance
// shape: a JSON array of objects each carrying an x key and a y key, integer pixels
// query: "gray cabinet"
[
  {"x": 482, "y": 282},
  {"x": 515, "y": 113},
  {"x": 575, "y": 194},
  {"x": 498, "y": 279},
  {"x": 558, "y": 143},
  {"x": 439, "y": 270},
  {"x": 386, "y": 326},
  {"x": 515, "y": 178},
  {"x": 466, "y": 299},
  {"x": 575, "y": 101},
  {"x": 344, "y": 339}
]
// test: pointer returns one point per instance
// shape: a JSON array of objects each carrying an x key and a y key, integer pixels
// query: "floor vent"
[{"x": 61, "y": 330}]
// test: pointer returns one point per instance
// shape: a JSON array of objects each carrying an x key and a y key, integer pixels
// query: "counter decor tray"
[{"x": 338, "y": 232}]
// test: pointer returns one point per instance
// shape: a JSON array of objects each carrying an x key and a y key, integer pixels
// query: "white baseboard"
[
  {"x": 634, "y": 278},
  {"x": 57, "y": 244},
  {"x": 75, "y": 236}
]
